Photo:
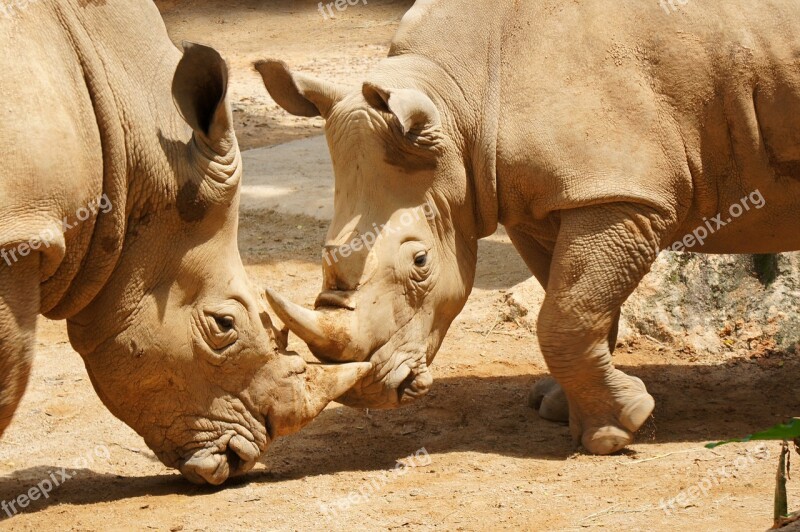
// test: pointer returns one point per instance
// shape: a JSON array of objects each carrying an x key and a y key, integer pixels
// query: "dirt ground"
[{"x": 486, "y": 461}]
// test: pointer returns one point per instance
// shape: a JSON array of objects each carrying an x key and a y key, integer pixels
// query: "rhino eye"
[
  {"x": 225, "y": 323},
  {"x": 220, "y": 330},
  {"x": 421, "y": 259}
]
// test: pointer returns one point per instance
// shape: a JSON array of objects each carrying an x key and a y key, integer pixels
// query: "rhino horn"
[
  {"x": 315, "y": 328},
  {"x": 328, "y": 382},
  {"x": 323, "y": 384}
]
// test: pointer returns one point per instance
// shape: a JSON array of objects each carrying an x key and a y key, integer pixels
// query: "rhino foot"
[
  {"x": 606, "y": 434},
  {"x": 548, "y": 398}
]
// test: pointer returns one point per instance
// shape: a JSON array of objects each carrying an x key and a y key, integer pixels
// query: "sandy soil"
[{"x": 493, "y": 464}]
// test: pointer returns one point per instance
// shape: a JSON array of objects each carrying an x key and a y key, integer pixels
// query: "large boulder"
[{"x": 708, "y": 303}]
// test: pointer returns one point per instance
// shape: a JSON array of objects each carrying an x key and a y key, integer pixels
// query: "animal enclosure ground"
[{"x": 493, "y": 463}]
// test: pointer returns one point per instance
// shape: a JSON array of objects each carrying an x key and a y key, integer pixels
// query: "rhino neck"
[
  {"x": 131, "y": 99},
  {"x": 466, "y": 79}
]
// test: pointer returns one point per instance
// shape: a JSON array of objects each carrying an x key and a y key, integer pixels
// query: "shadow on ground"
[
  {"x": 695, "y": 404},
  {"x": 84, "y": 487},
  {"x": 471, "y": 414}
]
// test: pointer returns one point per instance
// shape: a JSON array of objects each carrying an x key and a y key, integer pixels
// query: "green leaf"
[{"x": 784, "y": 431}]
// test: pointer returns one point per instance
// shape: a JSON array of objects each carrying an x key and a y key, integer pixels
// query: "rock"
[{"x": 705, "y": 303}]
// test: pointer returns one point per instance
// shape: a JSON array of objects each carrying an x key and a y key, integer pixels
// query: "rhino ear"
[
  {"x": 414, "y": 110},
  {"x": 199, "y": 89},
  {"x": 298, "y": 93}
]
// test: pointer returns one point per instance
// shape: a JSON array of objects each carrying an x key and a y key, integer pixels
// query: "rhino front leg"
[
  {"x": 601, "y": 254},
  {"x": 546, "y": 396},
  {"x": 19, "y": 307}
]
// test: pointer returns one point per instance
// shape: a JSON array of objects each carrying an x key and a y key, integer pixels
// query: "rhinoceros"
[
  {"x": 119, "y": 213},
  {"x": 597, "y": 132}
]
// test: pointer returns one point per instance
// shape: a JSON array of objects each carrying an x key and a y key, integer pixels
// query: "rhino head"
[
  {"x": 177, "y": 342},
  {"x": 400, "y": 254}
]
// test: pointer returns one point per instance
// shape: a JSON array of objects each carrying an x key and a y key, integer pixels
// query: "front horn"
[
  {"x": 323, "y": 384},
  {"x": 317, "y": 328}
]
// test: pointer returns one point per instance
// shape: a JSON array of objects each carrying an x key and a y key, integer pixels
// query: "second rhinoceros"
[{"x": 597, "y": 132}]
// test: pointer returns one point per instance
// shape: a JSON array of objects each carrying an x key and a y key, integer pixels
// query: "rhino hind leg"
[
  {"x": 601, "y": 255},
  {"x": 19, "y": 307}
]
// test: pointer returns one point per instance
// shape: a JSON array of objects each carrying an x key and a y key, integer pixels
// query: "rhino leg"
[
  {"x": 601, "y": 254},
  {"x": 546, "y": 395},
  {"x": 19, "y": 306}
]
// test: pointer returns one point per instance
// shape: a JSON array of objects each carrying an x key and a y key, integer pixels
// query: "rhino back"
[{"x": 689, "y": 111}]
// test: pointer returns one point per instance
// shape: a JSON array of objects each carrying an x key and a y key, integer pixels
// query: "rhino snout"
[
  {"x": 417, "y": 384},
  {"x": 397, "y": 379},
  {"x": 215, "y": 466}
]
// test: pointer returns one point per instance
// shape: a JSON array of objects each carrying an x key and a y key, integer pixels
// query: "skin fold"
[
  {"x": 119, "y": 199},
  {"x": 597, "y": 132}
]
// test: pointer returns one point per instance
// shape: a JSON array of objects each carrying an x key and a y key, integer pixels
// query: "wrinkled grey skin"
[
  {"x": 178, "y": 344},
  {"x": 597, "y": 132}
]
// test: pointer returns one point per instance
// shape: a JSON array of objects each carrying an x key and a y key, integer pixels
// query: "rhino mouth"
[
  {"x": 399, "y": 378},
  {"x": 417, "y": 383},
  {"x": 229, "y": 456},
  {"x": 405, "y": 384}
]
